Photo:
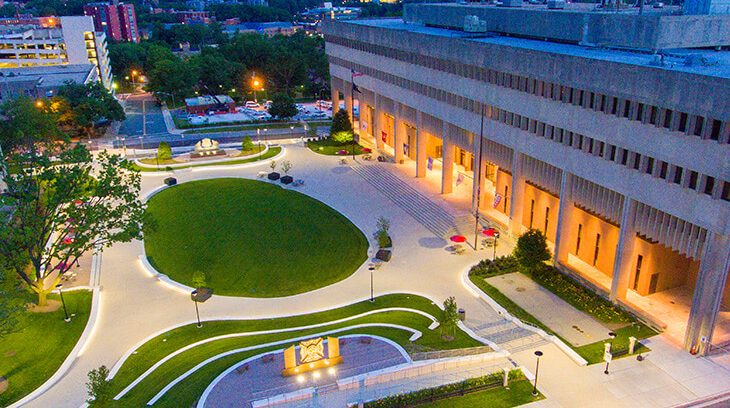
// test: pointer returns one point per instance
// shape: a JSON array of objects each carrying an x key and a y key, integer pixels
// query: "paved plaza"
[{"x": 135, "y": 305}]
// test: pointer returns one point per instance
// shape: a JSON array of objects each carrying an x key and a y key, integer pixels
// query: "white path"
[{"x": 134, "y": 305}]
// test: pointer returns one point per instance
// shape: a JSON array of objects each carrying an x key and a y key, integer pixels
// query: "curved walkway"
[{"x": 134, "y": 305}]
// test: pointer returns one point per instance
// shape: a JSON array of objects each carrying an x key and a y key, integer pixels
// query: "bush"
[
  {"x": 341, "y": 123},
  {"x": 381, "y": 234},
  {"x": 247, "y": 144},
  {"x": 500, "y": 266},
  {"x": 531, "y": 250},
  {"x": 164, "y": 152},
  {"x": 99, "y": 389}
]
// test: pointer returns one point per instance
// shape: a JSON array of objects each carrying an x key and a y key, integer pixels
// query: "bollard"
[
  {"x": 632, "y": 344},
  {"x": 505, "y": 380}
]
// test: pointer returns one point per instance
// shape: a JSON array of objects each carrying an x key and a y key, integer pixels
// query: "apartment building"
[{"x": 608, "y": 131}]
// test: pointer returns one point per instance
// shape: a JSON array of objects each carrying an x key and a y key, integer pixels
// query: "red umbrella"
[
  {"x": 458, "y": 238},
  {"x": 489, "y": 232}
]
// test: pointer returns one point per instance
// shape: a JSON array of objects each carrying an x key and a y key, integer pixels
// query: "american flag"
[{"x": 356, "y": 74}]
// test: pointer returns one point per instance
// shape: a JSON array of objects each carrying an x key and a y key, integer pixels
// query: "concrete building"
[
  {"x": 117, "y": 20},
  {"x": 72, "y": 41},
  {"x": 42, "y": 81},
  {"x": 268, "y": 28},
  {"x": 609, "y": 132}
]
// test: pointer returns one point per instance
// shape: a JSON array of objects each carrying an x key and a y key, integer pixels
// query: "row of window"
[
  {"x": 696, "y": 125},
  {"x": 684, "y": 177}
]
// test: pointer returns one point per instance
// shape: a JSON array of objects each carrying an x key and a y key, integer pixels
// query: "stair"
[{"x": 429, "y": 214}]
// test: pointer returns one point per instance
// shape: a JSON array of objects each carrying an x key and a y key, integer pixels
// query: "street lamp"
[
  {"x": 372, "y": 297},
  {"x": 608, "y": 356},
  {"x": 265, "y": 138},
  {"x": 538, "y": 354},
  {"x": 63, "y": 302},
  {"x": 291, "y": 131}
]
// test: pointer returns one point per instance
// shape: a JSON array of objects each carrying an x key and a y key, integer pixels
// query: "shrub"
[
  {"x": 343, "y": 137},
  {"x": 531, "y": 250},
  {"x": 286, "y": 166},
  {"x": 500, "y": 266},
  {"x": 199, "y": 280},
  {"x": 341, "y": 123},
  {"x": 449, "y": 316},
  {"x": 164, "y": 152},
  {"x": 247, "y": 144},
  {"x": 381, "y": 233}
]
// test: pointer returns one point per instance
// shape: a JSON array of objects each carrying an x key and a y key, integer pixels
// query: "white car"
[{"x": 252, "y": 105}]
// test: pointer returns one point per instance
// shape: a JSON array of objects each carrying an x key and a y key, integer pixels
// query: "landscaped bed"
[
  {"x": 190, "y": 389},
  {"x": 31, "y": 355},
  {"x": 273, "y": 151},
  {"x": 250, "y": 238},
  {"x": 624, "y": 324},
  {"x": 332, "y": 148}
]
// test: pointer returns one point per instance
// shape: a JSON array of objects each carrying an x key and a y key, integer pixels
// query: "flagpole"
[
  {"x": 352, "y": 103},
  {"x": 478, "y": 173}
]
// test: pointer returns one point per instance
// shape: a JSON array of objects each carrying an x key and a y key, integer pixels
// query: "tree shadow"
[{"x": 432, "y": 242}]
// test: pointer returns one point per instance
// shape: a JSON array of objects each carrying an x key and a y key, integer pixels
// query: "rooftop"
[
  {"x": 696, "y": 61},
  {"x": 207, "y": 100},
  {"x": 50, "y": 76}
]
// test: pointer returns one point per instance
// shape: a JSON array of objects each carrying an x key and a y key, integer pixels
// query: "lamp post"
[
  {"x": 266, "y": 139},
  {"x": 63, "y": 302},
  {"x": 197, "y": 314},
  {"x": 134, "y": 73},
  {"x": 372, "y": 295},
  {"x": 538, "y": 354},
  {"x": 608, "y": 356},
  {"x": 258, "y": 139},
  {"x": 291, "y": 131}
]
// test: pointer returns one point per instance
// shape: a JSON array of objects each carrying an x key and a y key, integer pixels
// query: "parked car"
[{"x": 252, "y": 105}]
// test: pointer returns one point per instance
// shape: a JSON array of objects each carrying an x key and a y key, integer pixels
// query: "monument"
[
  {"x": 311, "y": 356},
  {"x": 206, "y": 148}
]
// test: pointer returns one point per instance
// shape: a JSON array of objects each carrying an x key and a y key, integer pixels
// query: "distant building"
[
  {"x": 186, "y": 16},
  {"x": 202, "y": 104},
  {"x": 71, "y": 40},
  {"x": 268, "y": 29},
  {"x": 117, "y": 20},
  {"x": 42, "y": 81}
]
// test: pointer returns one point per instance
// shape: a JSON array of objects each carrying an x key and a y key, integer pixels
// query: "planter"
[
  {"x": 287, "y": 180},
  {"x": 384, "y": 255},
  {"x": 273, "y": 176}
]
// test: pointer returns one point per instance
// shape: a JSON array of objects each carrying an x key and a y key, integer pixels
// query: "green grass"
[
  {"x": 232, "y": 127},
  {"x": 273, "y": 151},
  {"x": 31, "y": 355},
  {"x": 251, "y": 238},
  {"x": 330, "y": 147},
  {"x": 153, "y": 161},
  {"x": 186, "y": 392},
  {"x": 518, "y": 393},
  {"x": 592, "y": 353}
]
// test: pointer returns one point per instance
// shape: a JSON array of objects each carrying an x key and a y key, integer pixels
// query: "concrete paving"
[
  {"x": 134, "y": 305},
  {"x": 570, "y": 323}
]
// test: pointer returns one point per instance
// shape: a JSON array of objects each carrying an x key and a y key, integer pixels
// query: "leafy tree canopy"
[
  {"x": 531, "y": 250},
  {"x": 282, "y": 106}
]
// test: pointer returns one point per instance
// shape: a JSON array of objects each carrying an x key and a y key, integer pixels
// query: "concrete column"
[
  {"x": 421, "y": 156},
  {"x": 565, "y": 219},
  {"x": 376, "y": 123},
  {"x": 335, "y": 97},
  {"x": 399, "y": 134},
  {"x": 624, "y": 252},
  {"x": 447, "y": 173},
  {"x": 517, "y": 202},
  {"x": 707, "y": 296},
  {"x": 347, "y": 91}
]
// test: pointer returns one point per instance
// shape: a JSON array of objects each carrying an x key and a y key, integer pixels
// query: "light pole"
[
  {"x": 538, "y": 354},
  {"x": 608, "y": 355},
  {"x": 291, "y": 131},
  {"x": 63, "y": 302},
  {"x": 372, "y": 295},
  {"x": 134, "y": 73},
  {"x": 197, "y": 314},
  {"x": 258, "y": 139}
]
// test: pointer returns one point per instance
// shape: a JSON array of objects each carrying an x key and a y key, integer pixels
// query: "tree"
[
  {"x": 173, "y": 77},
  {"x": 81, "y": 107},
  {"x": 273, "y": 165},
  {"x": 11, "y": 305},
  {"x": 381, "y": 232},
  {"x": 531, "y": 250},
  {"x": 247, "y": 144},
  {"x": 63, "y": 210},
  {"x": 99, "y": 388},
  {"x": 27, "y": 124},
  {"x": 286, "y": 166},
  {"x": 341, "y": 130},
  {"x": 164, "y": 151},
  {"x": 282, "y": 106},
  {"x": 449, "y": 316}
]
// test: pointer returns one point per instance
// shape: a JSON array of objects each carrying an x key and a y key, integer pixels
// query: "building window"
[
  {"x": 577, "y": 241},
  {"x": 596, "y": 249},
  {"x": 709, "y": 184},
  {"x": 678, "y": 175},
  {"x": 547, "y": 219},
  {"x": 505, "y": 199},
  {"x": 532, "y": 212},
  {"x": 637, "y": 273},
  {"x": 693, "y": 176}
]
